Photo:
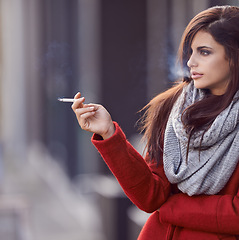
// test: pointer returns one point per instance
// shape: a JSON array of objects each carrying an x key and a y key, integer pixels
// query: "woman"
[{"x": 190, "y": 179}]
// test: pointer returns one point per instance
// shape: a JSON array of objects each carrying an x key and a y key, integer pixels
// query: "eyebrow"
[{"x": 201, "y": 47}]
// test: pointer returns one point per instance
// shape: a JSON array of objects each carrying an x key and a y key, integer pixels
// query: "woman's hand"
[{"x": 93, "y": 117}]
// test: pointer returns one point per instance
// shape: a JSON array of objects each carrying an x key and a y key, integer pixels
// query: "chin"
[{"x": 199, "y": 84}]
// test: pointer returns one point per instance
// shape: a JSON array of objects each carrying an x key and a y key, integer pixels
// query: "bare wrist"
[{"x": 110, "y": 132}]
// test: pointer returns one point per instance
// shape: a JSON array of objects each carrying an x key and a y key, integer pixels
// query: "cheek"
[
  {"x": 224, "y": 70},
  {"x": 219, "y": 69}
]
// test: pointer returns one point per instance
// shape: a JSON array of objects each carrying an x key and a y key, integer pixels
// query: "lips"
[{"x": 196, "y": 75}]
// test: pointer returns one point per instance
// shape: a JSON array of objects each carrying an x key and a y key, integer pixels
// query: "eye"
[{"x": 205, "y": 52}]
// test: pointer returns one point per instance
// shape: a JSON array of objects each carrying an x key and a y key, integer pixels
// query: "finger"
[
  {"x": 80, "y": 111},
  {"x": 96, "y": 106},
  {"x": 78, "y": 95},
  {"x": 78, "y": 103},
  {"x": 86, "y": 115},
  {"x": 90, "y": 105}
]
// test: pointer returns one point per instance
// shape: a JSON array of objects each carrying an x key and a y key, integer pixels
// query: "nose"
[{"x": 192, "y": 62}]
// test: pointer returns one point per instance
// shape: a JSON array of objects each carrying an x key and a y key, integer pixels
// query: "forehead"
[{"x": 203, "y": 38}]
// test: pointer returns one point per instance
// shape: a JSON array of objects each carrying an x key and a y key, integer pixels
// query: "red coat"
[{"x": 175, "y": 215}]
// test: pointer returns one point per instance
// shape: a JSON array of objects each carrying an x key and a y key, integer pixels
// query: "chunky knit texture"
[{"x": 208, "y": 173}]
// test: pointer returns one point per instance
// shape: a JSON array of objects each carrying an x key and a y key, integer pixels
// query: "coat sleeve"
[
  {"x": 216, "y": 213},
  {"x": 145, "y": 185}
]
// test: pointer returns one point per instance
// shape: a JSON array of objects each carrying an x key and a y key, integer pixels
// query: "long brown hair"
[{"x": 222, "y": 22}]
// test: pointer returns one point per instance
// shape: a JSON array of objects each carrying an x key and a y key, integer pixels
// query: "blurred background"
[{"x": 53, "y": 183}]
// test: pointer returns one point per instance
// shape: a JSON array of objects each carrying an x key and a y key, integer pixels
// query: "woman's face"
[{"x": 209, "y": 66}]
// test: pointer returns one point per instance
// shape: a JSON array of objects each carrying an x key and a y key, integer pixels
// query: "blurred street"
[{"x": 40, "y": 203}]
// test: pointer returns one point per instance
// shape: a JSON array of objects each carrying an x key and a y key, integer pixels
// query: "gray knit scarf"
[{"x": 210, "y": 172}]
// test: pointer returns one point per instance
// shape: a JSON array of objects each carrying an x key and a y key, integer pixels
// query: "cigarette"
[{"x": 66, "y": 99}]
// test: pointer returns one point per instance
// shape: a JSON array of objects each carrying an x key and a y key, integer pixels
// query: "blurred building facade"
[{"x": 117, "y": 53}]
